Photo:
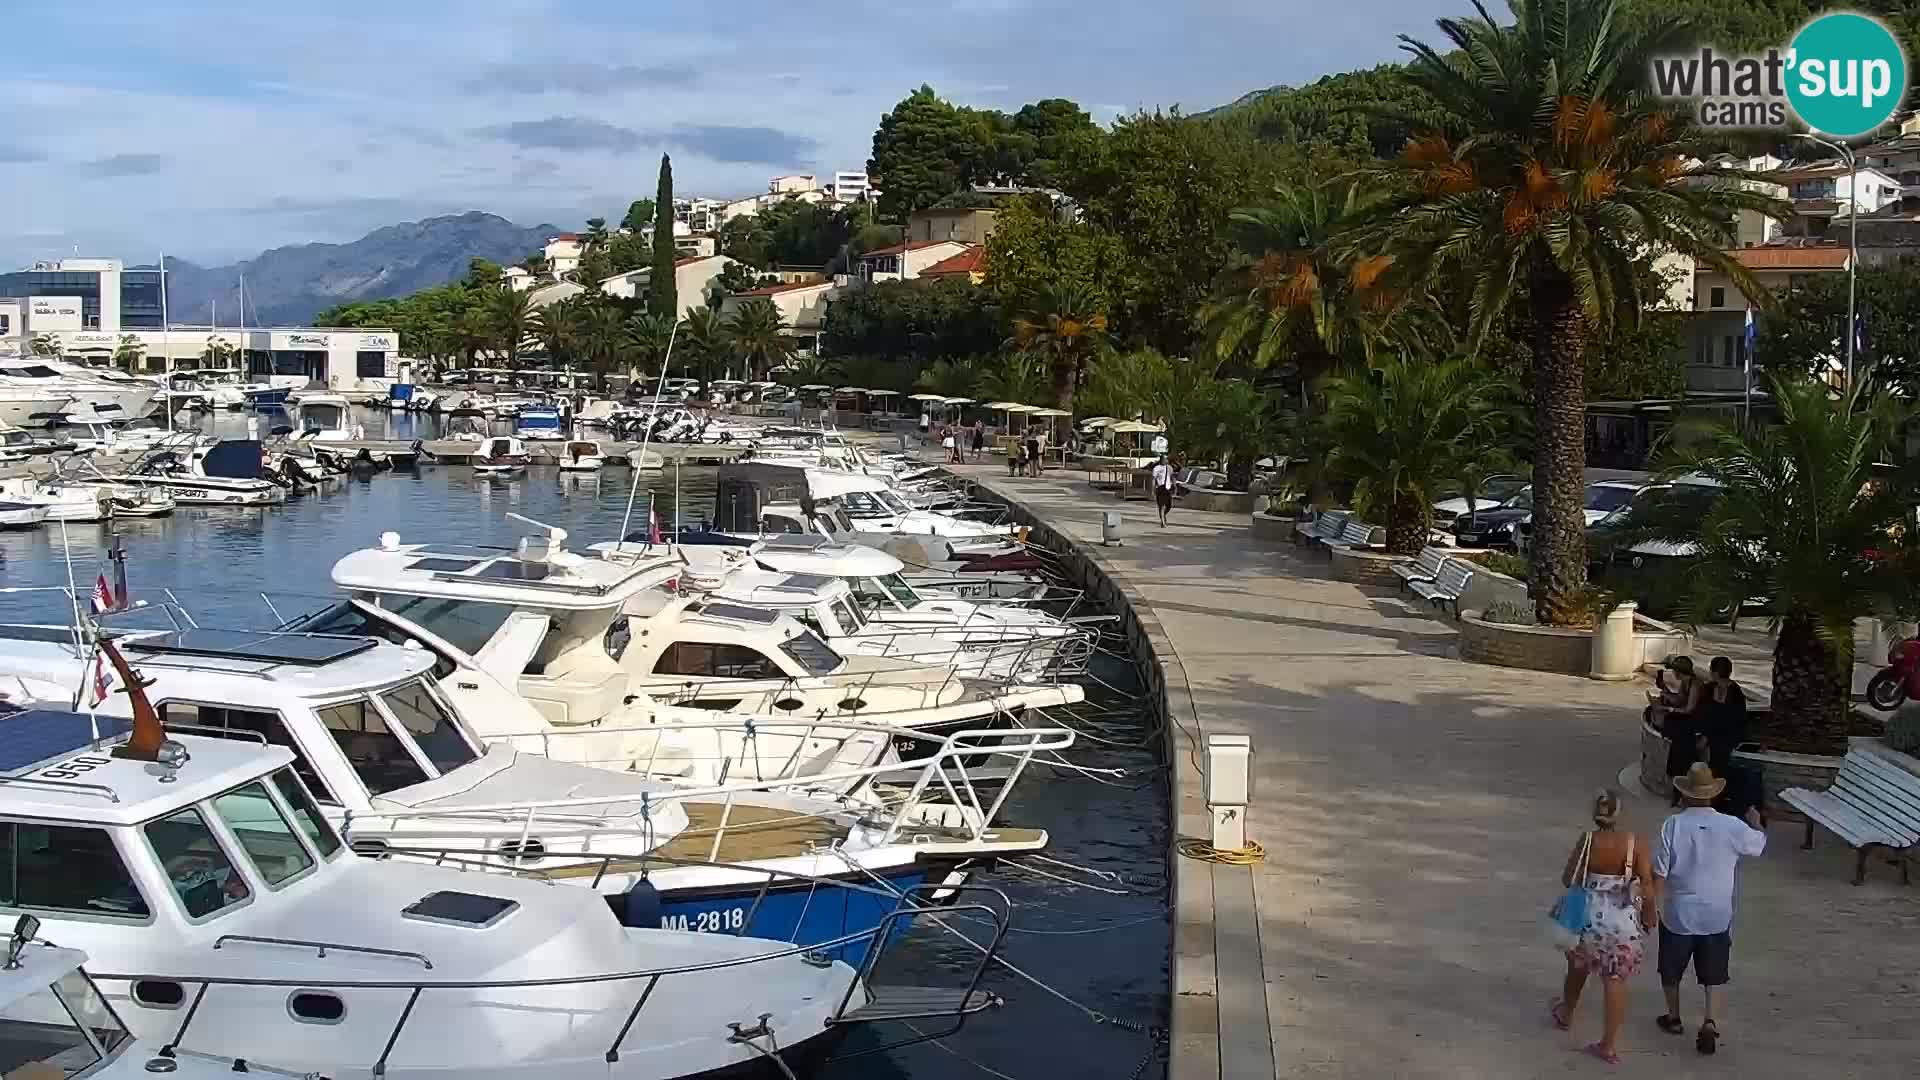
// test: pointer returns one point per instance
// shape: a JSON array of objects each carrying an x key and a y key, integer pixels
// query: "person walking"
[
  {"x": 1162, "y": 476},
  {"x": 1694, "y": 869},
  {"x": 979, "y": 438},
  {"x": 1616, "y": 871}
]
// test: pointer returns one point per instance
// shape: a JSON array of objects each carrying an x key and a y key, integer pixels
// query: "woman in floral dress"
[{"x": 1617, "y": 869}]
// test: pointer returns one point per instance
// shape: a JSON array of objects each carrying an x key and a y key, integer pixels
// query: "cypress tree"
[{"x": 660, "y": 286}]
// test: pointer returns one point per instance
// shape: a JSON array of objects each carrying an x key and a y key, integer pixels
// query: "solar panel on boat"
[
  {"x": 37, "y": 633},
  {"x": 310, "y": 650},
  {"x": 796, "y": 541},
  {"x": 440, "y": 564},
  {"x": 808, "y": 582},
  {"x": 512, "y": 570},
  {"x": 36, "y": 735},
  {"x": 741, "y": 613},
  {"x": 463, "y": 551}
]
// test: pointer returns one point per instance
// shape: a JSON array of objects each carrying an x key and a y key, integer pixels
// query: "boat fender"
[{"x": 641, "y": 906}]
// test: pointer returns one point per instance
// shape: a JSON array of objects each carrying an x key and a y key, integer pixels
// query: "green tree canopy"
[
  {"x": 662, "y": 295},
  {"x": 639, "y": 215},
  {"x": 1807, "y": 335},
  {"x": 918, "y": 321}
]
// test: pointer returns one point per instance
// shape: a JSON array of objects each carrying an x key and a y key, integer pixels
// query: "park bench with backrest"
[
  {"x": 1448, "y": 585},
  {"x": 1325, "y": 527},
  {"x": 1873, "y": 803},
  {"x": 1354, "y": 534},
  {"x": 1423, "y": 568}
]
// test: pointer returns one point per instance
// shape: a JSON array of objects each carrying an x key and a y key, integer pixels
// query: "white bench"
[
  {"x": 1325, "y": 527},
  {"x": 1448, "y": 584},
  {"x": 1354, "y": 534},
  {"x": 1872, "y": 803},
  {"x": 1424, "y": 568}
]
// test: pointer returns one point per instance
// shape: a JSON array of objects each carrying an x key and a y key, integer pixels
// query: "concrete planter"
[
  {"x": 1780, "y": 771},
  {"x": 1535, "y": 648},
  {"x": 1219, "y": 502},
  {"x": 1486, "y": 588},
  {"x": 1268, "y": 527},
  {"x": 1373, "y": 568},
  {"x": 1653, "y": 761}
]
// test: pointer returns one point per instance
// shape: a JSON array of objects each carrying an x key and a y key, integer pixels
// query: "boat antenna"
[
  {"x": 634, "y": 467},
  {"x": 81, "y": 634}
]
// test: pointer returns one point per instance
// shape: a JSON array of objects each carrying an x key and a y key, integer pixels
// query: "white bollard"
[
  {"x": 1229, "y": 786},
  {"x": 1110, "y": 528}
]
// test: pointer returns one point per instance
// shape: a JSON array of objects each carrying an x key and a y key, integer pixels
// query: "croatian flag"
[
  {"x": 103, "y": 599},
  {"x": 653, "y": 526},
  {"x": 102, "y": 679}
]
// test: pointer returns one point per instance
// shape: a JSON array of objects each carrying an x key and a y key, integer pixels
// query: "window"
[
  {"x": 716, "y": 661},
  {"x": 1727, "y": 351},
  {"x": 848, "y": 616},
  {"x": 465, "y": 625},
  {"x": 1600, "y": 497},
  {"x": 6, "y": 324},
  {"x": 203, "y": 877},
  {"x": 370, "y": 365},
  {"x": 220, "y": 718},
  {"x": 73, "y": 1030},
  {"x": 159, "y": 993},
  {"x": 1717, "y": 297},
  {"x": 775, "y": 523},
  {"x": 316, "y": 1007},
  {"x": 812, "y": 653},
  {"x": 350, "y": 621},
  {"x": 382, "y": 761},
  {"x": 66, "y": 868},
  {"x": 435, "y": 732},
  {"x": 897, "y": 585},
  {"x": 267, "y": 839},
  {"x": 306, "y": 813}
]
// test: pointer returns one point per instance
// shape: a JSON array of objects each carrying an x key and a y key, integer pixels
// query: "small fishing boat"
[
  {"x": 582, "y": 455},
  {"x": 500, "y": 455},
  {"x": 63, "y": 500}
]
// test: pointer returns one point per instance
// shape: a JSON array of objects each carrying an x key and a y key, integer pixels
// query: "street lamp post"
[{"x": 1853, "y": 243}]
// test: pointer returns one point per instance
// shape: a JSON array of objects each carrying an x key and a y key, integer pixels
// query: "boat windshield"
[
  {"x": 892, "y": 502},
  {"x": 388, "y": 758},
  {"x": 306, "y": 813},
  {"x": 266, "y": 837},
  {"x": 202, "y": 876},
  {"x": 322, "y": 417},
  {"x": 466, "y": 625},
  {"x": 897, "y": 586},
  {"x": 72, "y": 1030},
  {"x": 422, "y": 716},
  {"x": 812, "y": 653},
  {"x": 848, "y": 615}
]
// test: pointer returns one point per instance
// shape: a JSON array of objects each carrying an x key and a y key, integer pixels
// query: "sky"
[{"x": 214, "y": 129}]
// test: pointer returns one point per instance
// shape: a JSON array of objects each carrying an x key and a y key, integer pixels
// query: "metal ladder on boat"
[{"x": 892, "y": 1004}]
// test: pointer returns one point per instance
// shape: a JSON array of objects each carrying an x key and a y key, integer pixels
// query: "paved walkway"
[{"x": 1416, "y": 811}]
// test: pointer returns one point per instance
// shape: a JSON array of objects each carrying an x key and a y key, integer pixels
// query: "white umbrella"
[
  {"x": 959, "y": 400},
  {"x": 816, "y": 386},
  {"x": 925, "y": 397},
  {"x": 1003, "y": 406},
  {"x": 1134, "y": 426},
  {"x": 851, "y": 390},
  {"x": 884, "y": 393},
  {"x": 1098, "y": 422}
]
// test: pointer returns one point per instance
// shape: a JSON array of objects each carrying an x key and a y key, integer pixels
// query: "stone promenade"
[{"x": 1416, "y": 811}]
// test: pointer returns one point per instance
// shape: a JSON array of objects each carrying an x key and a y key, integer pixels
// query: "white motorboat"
[
  {"x": 63, "y": 500},
  {"x": 228, "y": 473},
  {"x": 15, "y": 515},
  {"x": 104, "y": 391},
  {"x": 212, "y": 389},
  {"x": 582, "y": 455},
  {"x": 30, "y": 408},
  {"x": 203, "y": 870},
  {"x": 499, "y": 455},
  {"x": 539, "y": 422},
  {"x": 112, "y": 435},
  {"x": 319, "y": 416},
  {"x": 749, "y": 491}
]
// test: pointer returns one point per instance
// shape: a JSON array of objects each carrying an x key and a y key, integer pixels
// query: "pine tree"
[{"x": 660, "y": 286}]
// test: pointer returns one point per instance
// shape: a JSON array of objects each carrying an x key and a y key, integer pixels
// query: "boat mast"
[{"x": 166, "y": 344}]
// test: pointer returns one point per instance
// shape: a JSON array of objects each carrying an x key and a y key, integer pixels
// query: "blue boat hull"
[{"x": 802, "y": 913}]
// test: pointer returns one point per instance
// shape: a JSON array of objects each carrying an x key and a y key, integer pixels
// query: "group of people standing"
[{"x": 1681, "y": 885}]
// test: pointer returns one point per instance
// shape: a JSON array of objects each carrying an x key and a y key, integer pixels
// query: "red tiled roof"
[
  {"x": 1792, "y": 258},
  {"x": 971, "y": 261},
  {"x": 896, "y": 249},
  {"x": 575, "y": 237}
]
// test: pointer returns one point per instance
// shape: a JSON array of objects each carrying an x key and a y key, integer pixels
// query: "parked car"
[
  {"x": 1493, "y": 494},
  {"x": 1495, "y": 528},
  {"x": 1687, "y": 498},
  {"x": 1600, "y": 499}
]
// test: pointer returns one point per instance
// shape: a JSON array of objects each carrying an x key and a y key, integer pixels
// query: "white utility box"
[
  {"x": 1109, "y": 528},
  {"x": 1229, "y": 784}
]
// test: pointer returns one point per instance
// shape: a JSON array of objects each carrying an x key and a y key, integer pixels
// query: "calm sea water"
[{"x": 1105, "y": 948}]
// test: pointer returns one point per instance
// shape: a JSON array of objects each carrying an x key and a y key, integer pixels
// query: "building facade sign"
[{"x": 54, "y": 313}]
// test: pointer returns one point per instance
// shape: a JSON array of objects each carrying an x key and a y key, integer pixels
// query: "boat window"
[
  {"x": 316, "y": 1007},
  {"x": 265, "y": 836},
  {"x": 90, "y": 1010},
  {"x": 716, "y": 661},
  {"x": 861, "y": 503},
  {"x": 53, "y": 1045},
  {"x": 893, "y": 503},
  {"x": 306, "y": 813},
  {"x": 463, "y": 624},
  {"x": 66, "y": 868},
  {"x": 382, "y": 761},
  {"x": 842, "y": 525},
  {"x": 424, "y": 718},
  {"x": 898, "y": 587},
  {"x": 812, "y": 653},
  {"x": 781, "y": 524},
  {"x": 203, "y": 877},
  {"x": 848, "y": 616},
  {"x": 222, "y": 718}
]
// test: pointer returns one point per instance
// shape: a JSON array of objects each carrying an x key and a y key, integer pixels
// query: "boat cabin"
[{"x": 323, "y": 417}]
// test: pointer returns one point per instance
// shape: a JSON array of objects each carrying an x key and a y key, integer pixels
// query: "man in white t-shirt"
[
  {"x": 1694, "y": 866},
  {"x": 1163, "y": 488}
]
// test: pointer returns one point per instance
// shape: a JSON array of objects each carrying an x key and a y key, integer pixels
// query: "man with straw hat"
[{"x": 1694, "y": 867}]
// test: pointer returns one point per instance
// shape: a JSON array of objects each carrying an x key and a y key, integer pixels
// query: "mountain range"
[{"x": 287, "y": 286}]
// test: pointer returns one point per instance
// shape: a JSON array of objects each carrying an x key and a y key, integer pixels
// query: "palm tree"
[
  {"x": 1398, "y": 431},
  {"x": 704, "y": 342},
  {"x": 44, "y": 345},
  {"x": 1550, "y": 179},
  {"x": 1806, "y": 517},
  {"x": 559, "y": 326},
  {"x": 758, "y": 337},
  {"x": 812, "y": 371},
  {"x": 596, "y": 232},
  {"x": 648, "y": 338},
  {"x": 512, "y": 317},
  {"x": 129, "y": 353},
  {"x": 1016, "y": 377},
  {"x": 1066, "y": 324},
  {"x": 1295, "y": 297},
  {"x": 472, "y": 333},
  {"x": 948, "y": 378},
  {"x": 603, "y": 337}
]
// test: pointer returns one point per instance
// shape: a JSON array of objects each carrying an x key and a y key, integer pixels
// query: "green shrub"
[
  {"x": 1514, "y": 566},
  {"x": 1903, "y": 730},
  {"x": 1509, "y": 613}
]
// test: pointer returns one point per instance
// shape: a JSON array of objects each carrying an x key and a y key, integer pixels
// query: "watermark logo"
[{"x": 1844, "y": 74}]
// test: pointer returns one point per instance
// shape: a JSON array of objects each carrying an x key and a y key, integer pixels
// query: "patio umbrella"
[
  {"x": 816, "y": 386},
  {"x": 925, "y": 397}
]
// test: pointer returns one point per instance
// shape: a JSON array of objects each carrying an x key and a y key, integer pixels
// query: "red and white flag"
[
  {"x": 653, "y": 527},
  {"x": 103, "y": 600},
  {"x": 102, "y": 679}
]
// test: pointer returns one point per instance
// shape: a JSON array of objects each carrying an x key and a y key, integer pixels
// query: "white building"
[
  {"x": 1824, "y": 191},
  {"x": 693, "y": 278},
  {"x": 802, "y": 307},
  {"x": 795, "y": 184},
  {"x": 904, "y": 262},
  {"x": 851, "y": 187},
  {"x": 563, "y": 253},
  {"x": 700, "y": 215}
]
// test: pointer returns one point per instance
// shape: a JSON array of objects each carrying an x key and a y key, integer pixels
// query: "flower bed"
[
  {"x": 1275, "y": 527},
  {"x": 1219, "y": 502},
  {"x": 1560, "y": 650},
  {"x": 1365, "y": 567}
]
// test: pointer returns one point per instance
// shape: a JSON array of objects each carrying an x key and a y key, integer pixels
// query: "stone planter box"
[
  {"x": 1486, "y": 587},
  {"x": 1653, "y": 761},
  {"x": 1269, "y": 527},
  {"x": 1373, "y": 568},
  {"x": 1219, "y": 502},
  {"x": 1778, "y": 771},
  {"x": 1535, "y": 648}
]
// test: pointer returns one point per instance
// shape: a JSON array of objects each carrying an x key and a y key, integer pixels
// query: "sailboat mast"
[{"x": 166, "y": 341}]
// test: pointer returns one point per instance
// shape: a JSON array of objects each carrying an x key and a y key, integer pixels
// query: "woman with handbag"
[{"x": 1603, "y": 919}]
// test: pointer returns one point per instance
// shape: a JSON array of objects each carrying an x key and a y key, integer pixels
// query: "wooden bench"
[
  {"x": 1423, "y": 568},
  {"x": 1325, "y": 527},
  {"x": 1872, "y": 803},
  {"x": 1354, "y": 534},
  {"x": 1448, "y": 584}
]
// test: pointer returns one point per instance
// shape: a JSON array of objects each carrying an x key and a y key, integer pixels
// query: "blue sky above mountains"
[{"x": 216, "y": 128}]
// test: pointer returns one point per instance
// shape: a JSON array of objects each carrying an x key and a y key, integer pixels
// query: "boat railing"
[
  {"x": 955, "y": 1007},
  {"x": 321, "y": 946},
  {"x": 1010, "y": 653},
  {"x": 944, "y": 771}
]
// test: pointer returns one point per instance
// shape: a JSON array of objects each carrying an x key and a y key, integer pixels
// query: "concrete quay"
[{"x": 1416, "y": 811}]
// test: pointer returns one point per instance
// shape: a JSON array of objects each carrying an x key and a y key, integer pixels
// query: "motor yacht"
[
  {"x": 107, "y": 392},
  {"x": 227, "y": 473},
  {"x": 746, "y": 491},
  {"x": 63, "y": 500},
  {"x": 323, "y": 417},
  {"x": 213, "y": 389},
  {"x": 30, "y": 408},
  {"x": 15, "y": 515},
  {"x": 230, "y": 920},
  {"x": 113, "y": 435}
]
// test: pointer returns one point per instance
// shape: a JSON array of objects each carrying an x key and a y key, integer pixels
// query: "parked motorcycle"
[{"x": 1899, "y": 680}]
